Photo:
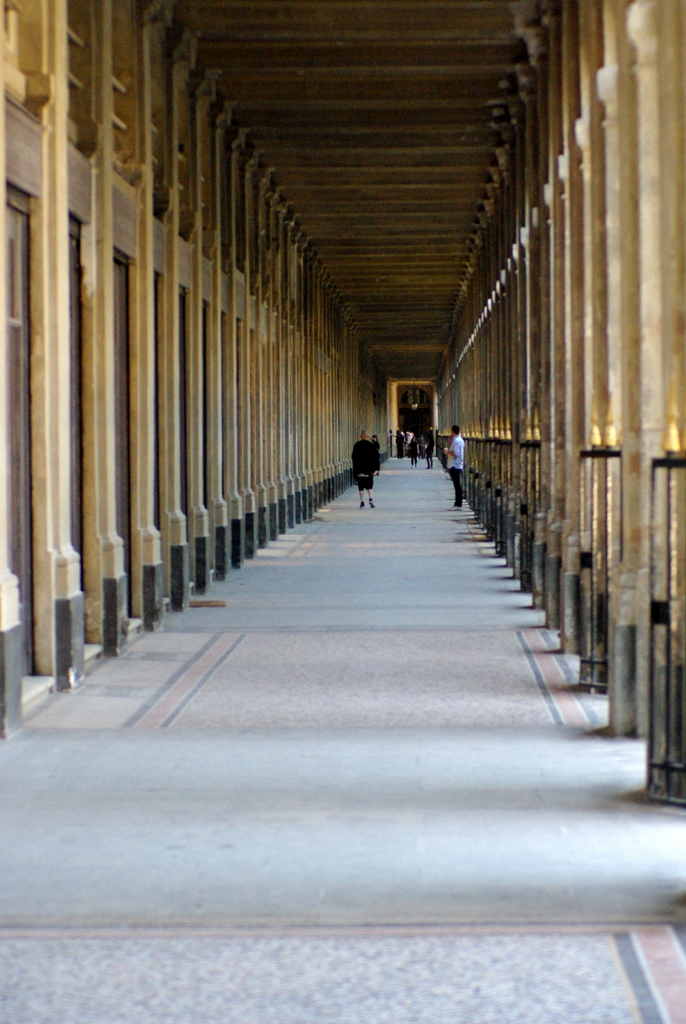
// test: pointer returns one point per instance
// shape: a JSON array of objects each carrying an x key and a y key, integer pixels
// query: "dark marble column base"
[
  {"x": 290, "y": 511},
  {"x": 623, "y": 717},
  {"x": 311, "y": 507},
  {"x": 298, "y": 506},
  {"x": 538, "y": 572},
  {"x": 180, "y": 576},
  {"x": 221, "y": 539},
  {"x": 237, "y": 542},
  {"x": 553, "y": 566},
  {"x": 262, "y": 531},
  {"x": 571, "y": 601},
  {"x": 202, "y": 574},
  {"x": 273, "y": 520},
  {"x": 114, "y": 595},
  {"x": 153, "y": 595},
  {"x": 11, "y": 654},
  {"x": 250, "y": 535},
  {"x": 69, "y": 641},
  {"x": 282, "y": 515}
]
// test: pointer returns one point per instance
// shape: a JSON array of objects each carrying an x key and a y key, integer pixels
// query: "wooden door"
[
  {"x": 122, "y": 411},
  {"x": 19, "y": 408}
]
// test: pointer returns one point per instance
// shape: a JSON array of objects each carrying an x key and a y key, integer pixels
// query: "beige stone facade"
[
  {"x": 187, "y": 367},
  {"x": 193, "y": 381}
]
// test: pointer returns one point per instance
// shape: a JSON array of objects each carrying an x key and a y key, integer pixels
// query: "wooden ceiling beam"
[
  {"x": 244, "y": 56},
  {"x": 354, "y": 20}
]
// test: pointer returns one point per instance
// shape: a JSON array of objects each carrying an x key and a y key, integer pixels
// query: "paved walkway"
[{"x": 363, "y": 789}]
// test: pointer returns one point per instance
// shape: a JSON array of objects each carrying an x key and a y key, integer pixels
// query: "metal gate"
[
  {"x": 601, "y": 541},
  {"x": 667, "y": 730}
]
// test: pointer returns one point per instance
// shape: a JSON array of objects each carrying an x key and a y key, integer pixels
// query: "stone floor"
[{"x": 364, "y": 789}]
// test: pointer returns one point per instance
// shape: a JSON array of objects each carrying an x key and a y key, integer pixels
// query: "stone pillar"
[
  {"x": 146, "y": 559},
  {"x": 219, "y": 327},
  {"x": 614, "y": 78},
  {"x": 569, "y": 170},
  {"x": 643, "y": 32},
  {"x": 10, "y": 626},
  {"x": 173, "y": 520},
  {"x": 105, "y": 581},
  {"x": 246, "y": 369},
  {"x": 233, "y": 446},
  {"x": 58, "y": 608}
]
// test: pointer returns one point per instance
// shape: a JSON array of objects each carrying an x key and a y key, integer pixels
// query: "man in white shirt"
[{"x": 455, "y": 455}]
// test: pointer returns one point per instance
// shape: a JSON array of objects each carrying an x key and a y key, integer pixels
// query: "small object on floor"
[
  {"x": 371, "y": 504},
  {"x": 361, "y": 504},
  {"x": 210, "y": 603}
]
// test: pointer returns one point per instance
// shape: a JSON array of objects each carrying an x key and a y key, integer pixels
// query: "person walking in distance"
[
  {"x": 399, "y": 445},
  {"x": 455, "y": 455},
  {"x": 365, "y": 458},
  {"x": 429, "y": 450},
  {"x": 413, "y": 451}
]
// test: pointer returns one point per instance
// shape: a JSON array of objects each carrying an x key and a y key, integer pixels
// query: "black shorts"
[{"x": 365, "y": 483}]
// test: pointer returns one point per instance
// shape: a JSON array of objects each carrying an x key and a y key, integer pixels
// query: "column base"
[
  {"x": 283, "y": 515},
  {"x": 273, "y": 520},
  {"x": 262, "y": 533},
  {"x": 114, "y": 594},
  {"x": 538, "y": 572},
  {"x": 202, "y": 579},
  {"x": 298, "y": 506},
  {"x": 622, "y": 686},
  {"x": 11, "y": 658},
  {"x": 221, "y": 534},
  {"x": 180, "y": 577},
  {"x": 571, "y": 599},
  {"x": 69, "y": 641},
  {"x": 553, "y": 566},
  {"x": 250, "y": 534},
  {"x": 290, "y": 511},
  {"x": 237, "y": 542},
  {"x": 310, "y": 502},
  {"x": 153, "y": 595}
]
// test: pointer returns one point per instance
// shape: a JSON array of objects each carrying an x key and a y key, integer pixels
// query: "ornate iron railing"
[
  {"x": 601, "y": 542},
  {"x": 667, "y": 697}
]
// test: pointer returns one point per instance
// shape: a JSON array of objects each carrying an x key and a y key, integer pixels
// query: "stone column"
[
  {"x": 105, "y": 581},
  {"x": 615, "y": 77},
  {"x": 219, "y": 327},
  {"x": 233, "y": 441},
  {"x": 246, "y": 370},
  {"x": 146, "y": 558},
  {"x": 642, "y": 28},
  {"x": 10, "y": 626},
  {"x": 173, "y": 520},
  {"x": 58, "y": 608},
  {"x": 569, "y": 170},
  {"x": 556, "y": 411}
]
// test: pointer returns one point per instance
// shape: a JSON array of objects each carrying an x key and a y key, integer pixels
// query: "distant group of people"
[
  {"x": 415, "y": 448},
  {"x": 366, "y": 458}
]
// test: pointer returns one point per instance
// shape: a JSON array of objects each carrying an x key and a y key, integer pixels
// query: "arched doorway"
[{"x": 414, "y": 410}]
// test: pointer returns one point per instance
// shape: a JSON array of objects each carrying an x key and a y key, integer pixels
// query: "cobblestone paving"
[{"x": 434, "y": 979}]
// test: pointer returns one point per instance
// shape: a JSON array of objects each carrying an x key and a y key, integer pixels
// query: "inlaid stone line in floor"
[
  {"x": 566, "y": 703},
  {"x": 655, "y": 961},
  {"x": 352, "y": 976},
  {"x": 173, "y": 699}
]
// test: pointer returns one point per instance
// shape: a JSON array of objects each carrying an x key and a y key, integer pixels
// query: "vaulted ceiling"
[{"x": 376, "y": 117}]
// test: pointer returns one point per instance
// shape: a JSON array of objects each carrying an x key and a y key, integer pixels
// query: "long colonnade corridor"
[
  {"x": 357, "y": 788},
  {"x": 267, "y": 757}
]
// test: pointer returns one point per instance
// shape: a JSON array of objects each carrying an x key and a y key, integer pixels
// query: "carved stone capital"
[
  {"x": 606, "y": 85},
  {"x": 641, "y": 27}
]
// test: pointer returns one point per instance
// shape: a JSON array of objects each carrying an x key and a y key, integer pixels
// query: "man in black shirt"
[{"x": 366, "y": 465}]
